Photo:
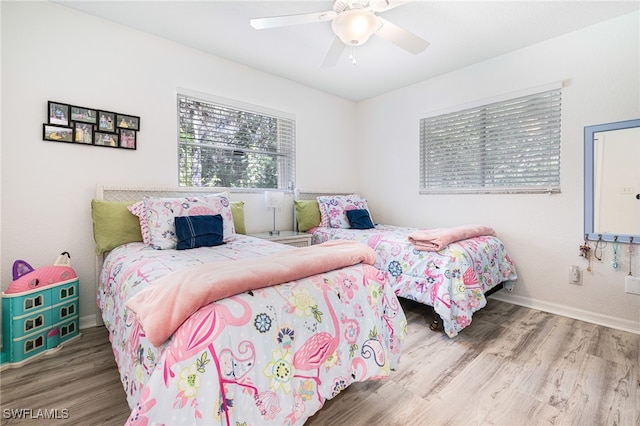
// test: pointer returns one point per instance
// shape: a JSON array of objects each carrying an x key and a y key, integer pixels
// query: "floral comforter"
[
  {"x": 269, "y": 356},
  {"x": 452, "y": 280}
]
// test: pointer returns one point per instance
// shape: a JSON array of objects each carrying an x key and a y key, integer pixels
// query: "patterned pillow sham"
[
  {"x": 137, "y": 209},
  {"x": 160, "y": 214},
  {"x": 333, "y": 209}
]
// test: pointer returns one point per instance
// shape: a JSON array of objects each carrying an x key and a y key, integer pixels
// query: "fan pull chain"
[{"x": 352, "y": 55}]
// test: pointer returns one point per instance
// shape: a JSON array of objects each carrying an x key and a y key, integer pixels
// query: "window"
[
  {"x": 237, "y": 147},
  {"x": 34, "y": 302},
  {"x": 507, "y": 146}
]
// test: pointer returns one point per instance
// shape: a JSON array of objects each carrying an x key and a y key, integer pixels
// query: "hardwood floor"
[{"x": 512, "y": 366}]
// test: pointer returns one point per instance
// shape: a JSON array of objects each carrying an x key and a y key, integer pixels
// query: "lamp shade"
[
  {"x": 355, "y": 26},
  {"x": 274, "y": 199}
]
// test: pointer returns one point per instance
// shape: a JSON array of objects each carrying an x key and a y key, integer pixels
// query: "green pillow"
[
  {"x": 237, "y": 211},
  {"x": 307, "y": 214},
  {"x": 113, "y": 225}
]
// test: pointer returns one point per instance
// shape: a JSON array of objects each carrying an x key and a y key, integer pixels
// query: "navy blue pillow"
[
  {"x": 198, "y": 231},
  {"x": 359, "y": 219}
]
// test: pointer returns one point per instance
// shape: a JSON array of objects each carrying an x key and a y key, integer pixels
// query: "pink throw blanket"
[
  {"x": 437, "y": 239},
  {"x": 170, "y": 300}
]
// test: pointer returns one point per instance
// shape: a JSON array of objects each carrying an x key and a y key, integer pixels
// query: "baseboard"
[
  {"x": 565, "y": 311},
  {"x": 88, "y": 321}
]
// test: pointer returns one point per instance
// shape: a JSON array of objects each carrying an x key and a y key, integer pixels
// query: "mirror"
[{"x": 612, "y": 181}]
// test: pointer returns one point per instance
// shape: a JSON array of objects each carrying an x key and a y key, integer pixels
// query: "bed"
[
  {"x": 269, "y": 355},
  {"x": 454, "y": 281}
]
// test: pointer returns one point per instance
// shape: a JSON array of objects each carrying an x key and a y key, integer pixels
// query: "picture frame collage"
[{"x": 90, "y": 126}]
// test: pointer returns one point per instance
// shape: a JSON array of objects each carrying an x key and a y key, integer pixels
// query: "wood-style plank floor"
[{"x": 512, "y": 366}]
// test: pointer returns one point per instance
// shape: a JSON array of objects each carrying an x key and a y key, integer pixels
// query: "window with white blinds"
[
  {"x": 221, "y": 145},
  {"x": 510, "y": 146}
]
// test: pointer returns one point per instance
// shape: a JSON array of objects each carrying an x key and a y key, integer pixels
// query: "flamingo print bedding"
[
  {"x": 268, "y": 356},
  {"x": 453, "y": 280}
]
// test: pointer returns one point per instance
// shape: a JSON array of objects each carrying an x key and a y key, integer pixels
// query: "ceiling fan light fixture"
[{"x": 355, "y": 26}]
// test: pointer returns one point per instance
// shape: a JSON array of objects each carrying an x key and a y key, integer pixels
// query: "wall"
[
  {"x": 50, "y": 52},
  {"x": 599, "y": 67}
]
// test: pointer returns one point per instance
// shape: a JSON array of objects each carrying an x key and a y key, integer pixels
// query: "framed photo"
[
  {"x": 105, "y": 139},
  {"x": 82, "y": 132},
  {"x": 53, "y": 132},
  {"x": 128, "y": 122},
  {"x": 58, "y": 113},
  {"x": 127, "y": 139},
  {"x": 84, "y": 115},
  {"x": 106, "y": 121}
]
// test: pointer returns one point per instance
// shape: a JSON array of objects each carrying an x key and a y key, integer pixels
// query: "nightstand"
[{"x": 291, "y": 238}]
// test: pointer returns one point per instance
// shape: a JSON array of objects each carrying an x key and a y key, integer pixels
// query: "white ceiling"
[{"x": 461, "y": 33}]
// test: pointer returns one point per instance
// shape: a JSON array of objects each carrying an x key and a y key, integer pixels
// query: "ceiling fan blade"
[
  {"x": 401, "y": 37},
  {"x": 333, "y": 54},
  {"x": 383, "y": 5},
  {"x": 281, "y": 21}
]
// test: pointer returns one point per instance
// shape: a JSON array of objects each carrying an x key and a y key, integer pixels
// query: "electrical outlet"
[
  {"x": 575, "y": 275},
  {"x": 632, "y": 285}
]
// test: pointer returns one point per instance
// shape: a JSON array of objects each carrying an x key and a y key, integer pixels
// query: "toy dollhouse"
[{"x": 39, "y": 311}]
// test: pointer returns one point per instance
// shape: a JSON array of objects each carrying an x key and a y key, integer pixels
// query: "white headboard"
[
  {"x": 136, "y": 193},
  {"x": 308, "y": 194}
]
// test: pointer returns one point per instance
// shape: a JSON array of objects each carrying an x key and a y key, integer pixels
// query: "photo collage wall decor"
[{"x": 89, "y": 126}]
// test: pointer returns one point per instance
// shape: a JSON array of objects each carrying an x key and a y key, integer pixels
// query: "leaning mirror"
[{"x": 612, "y": 181}]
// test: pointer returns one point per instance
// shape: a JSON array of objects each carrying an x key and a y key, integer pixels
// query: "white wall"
[
  {"x": 50, "y": 52},
  {"x": 600, "y": 70}
]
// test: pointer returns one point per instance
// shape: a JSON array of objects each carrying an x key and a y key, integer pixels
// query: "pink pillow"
[{"x": 138, "y": 210}]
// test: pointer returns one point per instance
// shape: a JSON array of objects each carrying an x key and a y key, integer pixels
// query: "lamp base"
[{"x": 274, "y": 232}]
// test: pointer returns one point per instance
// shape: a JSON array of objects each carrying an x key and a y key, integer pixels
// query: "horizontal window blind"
[
  {"x": 221, "y": 145},
  {"x": 507, "y": 146}
]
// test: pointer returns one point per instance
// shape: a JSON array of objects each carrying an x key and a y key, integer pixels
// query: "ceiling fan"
[{"x": 353, "y": 23}]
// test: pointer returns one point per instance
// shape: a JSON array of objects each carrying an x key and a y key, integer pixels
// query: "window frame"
[
  {"x": 482, "y": 141},
  {"x": 286, "y": 174}
]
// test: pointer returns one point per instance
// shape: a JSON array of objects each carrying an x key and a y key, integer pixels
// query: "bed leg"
[{"x": 436, "y": 320}]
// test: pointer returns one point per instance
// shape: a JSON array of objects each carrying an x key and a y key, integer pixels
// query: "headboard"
[
  {"x": 136, "y": 193},
  {"x": 307, "y": 194}
]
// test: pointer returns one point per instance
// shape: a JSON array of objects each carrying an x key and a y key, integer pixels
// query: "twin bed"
[
  {"x": 454, "y": 280},
  {"x": 268, "y": 355},
  {"x": 271, "y": 354}
]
